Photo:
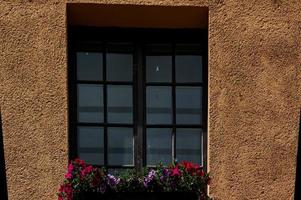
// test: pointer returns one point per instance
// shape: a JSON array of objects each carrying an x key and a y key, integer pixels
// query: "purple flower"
[
  {"x": 165, "y": 174},
  {"x": 149, "y": 178},
  {"x": 112, "y": 181}
]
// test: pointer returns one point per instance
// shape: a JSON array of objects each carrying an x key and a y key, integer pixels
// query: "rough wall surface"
[
  {"x": 33, "y": 97},
  {"x": 254, "y": 95}
]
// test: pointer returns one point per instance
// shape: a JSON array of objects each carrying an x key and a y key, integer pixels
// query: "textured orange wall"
[{"x": 254, "y": 95}]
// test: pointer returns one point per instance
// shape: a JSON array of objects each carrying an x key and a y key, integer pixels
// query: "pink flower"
[
  {"x": 80, "y": 162},
  {"x": 70, "y": 167},
  {"x": 66, "y": 192},
  {"x": 175, "y": 172},
  {"x": 87, "y": 170},
  {"x": 68, "y": 175}
]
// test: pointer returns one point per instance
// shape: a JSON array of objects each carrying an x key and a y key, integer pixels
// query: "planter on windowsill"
[
  {"x": 138, "y": 196},
  {"x": 178, "y": 181}
]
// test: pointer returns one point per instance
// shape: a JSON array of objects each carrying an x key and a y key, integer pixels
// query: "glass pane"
[
  {"x": 159, "y": 146},
  {"x": 90, "y": 144},
  {"x": 188, "y": 145},
  {"x": 189, "y": 68},
  {"x": 158, "y": 68},
  {"x": 90, "y": 103},
  {"x": 120, "y": 146},
  {"x": 119, "y": 171},
  {"x": 91, "y": 158},
  {"x": 119, "y": 67},
  {"x": 189, "y": 105},
  {"x": 89, "y": 66},
  {"x": 158, "y": 105},
  {"x": 120, "y": 104},
  {"x": 90, "y": 137}
]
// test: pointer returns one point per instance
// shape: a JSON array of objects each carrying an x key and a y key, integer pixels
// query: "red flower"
[
  {"x": 197, "y": 167},
  {"x": 187, "y": 165},
  {"x": 201, "y": 173},
  {"x": 190, "y": 167}
]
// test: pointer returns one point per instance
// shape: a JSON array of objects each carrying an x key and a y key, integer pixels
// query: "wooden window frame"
[{"x": 92, "y": 39}]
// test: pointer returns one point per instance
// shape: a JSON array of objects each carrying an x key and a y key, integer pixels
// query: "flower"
[
  {"x": 176, "y": 171},
  {"x": 68, "y": 175},
  {"x": 165, "y": 174},
  {"x": 70, "y": 167},
  {"x": 150, "y": 177},
  {"x": 86, "y": 171},
  {"x": 66, "y": 192},
  {"x": 80, "y": 162},
  {"x": 112, "y": 181},
  {"x": 201, "y": 173},
  {"x": 187, "y": 165},
  {"x": 183, "y": 177}
]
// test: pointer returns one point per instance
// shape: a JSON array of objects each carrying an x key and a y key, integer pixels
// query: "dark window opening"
[{"x": 137, "y": 96}]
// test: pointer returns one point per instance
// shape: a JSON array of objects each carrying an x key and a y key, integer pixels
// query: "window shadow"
[
  {"x": 3, "y": 183},
  {"x": 298, "y": 171}
]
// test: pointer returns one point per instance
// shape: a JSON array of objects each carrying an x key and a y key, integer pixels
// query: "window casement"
[{"x": 137, "y": 96}]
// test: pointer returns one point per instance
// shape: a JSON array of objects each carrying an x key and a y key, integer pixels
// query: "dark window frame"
[{"x": 92, "y": 39}]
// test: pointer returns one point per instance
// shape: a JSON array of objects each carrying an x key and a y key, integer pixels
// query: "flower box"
[
  {"x": 177, "y": 181},
  {"x": 138, "y": 196}
]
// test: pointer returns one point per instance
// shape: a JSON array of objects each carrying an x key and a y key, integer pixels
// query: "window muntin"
[
  {"x": 173, "y": 99},
  {"x": 105, "y": 105}
]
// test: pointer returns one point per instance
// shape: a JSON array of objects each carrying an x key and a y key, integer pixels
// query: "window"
[{"x": 137, "y": 96}]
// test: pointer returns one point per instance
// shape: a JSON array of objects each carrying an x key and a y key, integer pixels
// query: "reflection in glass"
[
  {"x": 90, "y": 144},
  {"x": 189, "y": 68},
  {"x": 91, "y": 158},
  {"x": 90, "y": 137},
  {"x": 89, "y": 66},
  {"x": 189, "y": 105},
  {"x": 188, "y": 144},
  {"x": 90, "y": 103},
  {"x": 120, "y": 146},
  {"x": 158, "y": 68},
  {"x": 119, "y": 67},
  {"x": 159, "y": 146},
  {"x": 158, "y": 105},
  {"x": 120, "y": 104}
]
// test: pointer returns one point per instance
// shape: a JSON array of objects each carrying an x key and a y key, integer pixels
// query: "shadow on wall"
[
  {"x": 298, "y": 172},
  {"x": 3, "y": 184}
]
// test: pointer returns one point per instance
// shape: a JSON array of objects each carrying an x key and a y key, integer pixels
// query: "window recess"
[{"x": 137, "y": 96}]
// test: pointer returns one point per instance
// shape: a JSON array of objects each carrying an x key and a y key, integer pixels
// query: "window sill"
[{"x": 139, "y": 196}]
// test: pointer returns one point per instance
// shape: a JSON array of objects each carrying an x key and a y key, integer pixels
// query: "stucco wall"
[{"x": 254, "y": 95}]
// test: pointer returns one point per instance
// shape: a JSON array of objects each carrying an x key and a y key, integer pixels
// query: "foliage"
[{"x": 177, "y": 177}]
